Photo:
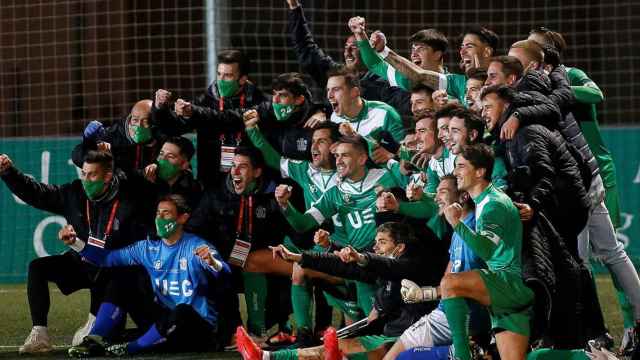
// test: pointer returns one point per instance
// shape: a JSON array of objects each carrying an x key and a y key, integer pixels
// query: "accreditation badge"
[
  {"x": 239, "y": 253},
  {"x": 226, "y": 157}
]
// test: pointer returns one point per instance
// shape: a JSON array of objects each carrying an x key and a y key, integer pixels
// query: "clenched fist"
[
  {"x": 283, "y": 193},
  {"x": 162, "y": 98},
  {"x": 453, "y": 213},
  {"x": 5, "y": 163},
  {"x": 386, "y": 201},
  {"x": 67, "y": 234},
  {"x": 250, "y": 118}
]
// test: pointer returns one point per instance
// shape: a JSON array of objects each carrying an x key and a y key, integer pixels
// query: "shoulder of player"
[{"x": 379, "y": 105}]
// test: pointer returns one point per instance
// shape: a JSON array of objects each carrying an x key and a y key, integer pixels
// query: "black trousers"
[{"x": 70, "y": 274}]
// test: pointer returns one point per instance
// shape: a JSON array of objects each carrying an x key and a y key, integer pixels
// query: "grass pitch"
[{"x": 70, "y": 312}]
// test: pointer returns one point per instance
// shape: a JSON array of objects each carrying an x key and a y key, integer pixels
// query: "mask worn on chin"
[
  {"x": 283, "y": 111},
  {"x": 394, "y": 253},
  {"x": 141, "y": 134},
  {"x": 166, "y": 227},
  {"x": 93, "y": 188},
  {"x": 227, "y": 87},
  {"x": 167, "y": 170}
]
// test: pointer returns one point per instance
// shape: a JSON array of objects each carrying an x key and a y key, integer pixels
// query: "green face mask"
[
  {"x": 166, "y": 227},
  {"x": 283, "y": 111},
  {"x": 93, "y": 188},
  {"x": 167, "y": 170},
  {"x": 227, "y": 87},
  {"x": 141, "y": 134}
]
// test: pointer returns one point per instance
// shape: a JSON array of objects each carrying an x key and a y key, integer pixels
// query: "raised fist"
[
  {"x": 162, "y": 98},
  {"x": 93, "y": 130},
  {"x": 357, "y": 25},
  {"x": 183, "y": 108},
  {"x": 386, "y": 201},
  {"x": 5, "y": 163},
  {"x": 321, "y": 237},
  {"x": 67, "y": 234},
  {"x": 453, "y": 213},
  {"x": 378, "y": 40},
  {"x": 283, "y": 193},
  {"x": 250, "y": 118}
]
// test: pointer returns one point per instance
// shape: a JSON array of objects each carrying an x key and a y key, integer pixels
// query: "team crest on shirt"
[
  {"x": 312, "y": 188},
  {"x": 157, "y": 265},
  {"x": 183, "y": 264},
  {"x": 346, "y": 198},
  {"x": 302, "y": 144},
  {"x": 261, "y": 212}
]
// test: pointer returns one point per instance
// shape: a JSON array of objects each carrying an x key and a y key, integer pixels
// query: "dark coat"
[
  {"x": 133, "y": 218},
  {"x": 216, "y": 217},
  {"x": 315, "y": 62},
  {"x": 217, "y": 122},
  {"x": 127, "y": 155}
]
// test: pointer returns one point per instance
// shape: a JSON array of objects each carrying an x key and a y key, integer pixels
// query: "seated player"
[{"x": 177, "y": 314}]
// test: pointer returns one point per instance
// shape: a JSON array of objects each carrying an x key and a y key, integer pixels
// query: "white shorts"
[{"x": 431, "y": 330}]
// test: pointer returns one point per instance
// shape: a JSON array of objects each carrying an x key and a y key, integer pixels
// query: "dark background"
[{"x": 64, "y": 63}]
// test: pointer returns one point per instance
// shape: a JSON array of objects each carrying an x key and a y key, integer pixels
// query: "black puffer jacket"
[
  {"x": 217, "y": 122},
  {"x": 216, "y": 217},
  {"x": 315, "y": 62},
  {"x": 423, "y": 267},
  {"x": 127, "y": 155},
  {"x": 556, "y": 87},
  {"x": 133, "y": 218}
]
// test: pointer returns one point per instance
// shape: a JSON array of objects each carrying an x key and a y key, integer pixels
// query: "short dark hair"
[
  {"x": 481, "y": 156},
  {"x": 504, "y": 92},
  {"x": 551, "y": 38},
  {"x": 357, "y": 141},
  {"x": 510, "y": 65},
  {"x": 331, "y": 126},
  {"x": 235, "y": 56},
  {"x": 479, "y": 74},
  {"x": 426, "y": 114},
  {"x": 531, "y": 48},
  {"x": 485, "y": 35},
  {"x": 471, "y": 121},
  {"x": 446, "y": 111},
  {"x": 185, "y": 145},
  {"x": 293, "y": 82},
  {"x": 400, "y": 232},
  {"x": 432, "y": 38},
  {"x": 421, "y": 87},
  {"x": 551, "y": 55},
  {"x": 255, "y": 156},
  {"x": 351, "y": 78},
  {"x": 104, "y": 158},
  {"x": 181, "y": 204}
]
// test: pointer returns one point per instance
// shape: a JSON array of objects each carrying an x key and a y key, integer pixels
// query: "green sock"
[
  {"x": 287, "y": 354},
  {"x": 255, "y": 294},
  {"x": 457, "y": 313},
  {"x": 301, "y": 301}
]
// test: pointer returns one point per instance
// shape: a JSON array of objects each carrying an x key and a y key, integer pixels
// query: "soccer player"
[
  {"x": 353, "y": 197},
  {"x": 396, "y": 253},
  {"x": 476, "y": 78},
  {"x": 177, "y": 314},
  {"x": 93, "y": 205},
  {"x": 433, "y": 329},
  {"x": 497, "y": 240},
  {"x": 315, "y": 62},
  {"x": 368, "y": 118}
]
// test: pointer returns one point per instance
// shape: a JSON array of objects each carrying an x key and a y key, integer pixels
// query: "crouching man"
[{"x": 177, "y": 314}]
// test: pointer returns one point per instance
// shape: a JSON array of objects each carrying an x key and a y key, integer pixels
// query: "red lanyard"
[
  {"x": 138, "y": 156},
  {"x": 112, "y": 216},
  {"x": 241, "y": 217},
  {"x": 221, "y": 101}
]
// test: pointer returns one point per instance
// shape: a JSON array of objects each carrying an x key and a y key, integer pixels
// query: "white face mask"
[{"x": 394, "y": 253}]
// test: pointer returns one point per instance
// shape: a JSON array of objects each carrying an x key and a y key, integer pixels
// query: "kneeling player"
[{"x": 180, "y": 265}]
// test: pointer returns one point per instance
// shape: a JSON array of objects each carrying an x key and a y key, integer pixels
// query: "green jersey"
[
  {"x": 454, "y": 84},
  {"x": 374, "y": 118},
  {"x": 497, "y": 238},
  {"x": 439, "y": 167},
  {"x": 355, "y": 204}
]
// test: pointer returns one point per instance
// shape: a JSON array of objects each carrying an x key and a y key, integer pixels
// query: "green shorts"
[
  {"x": 511, "y": 301},
  {"x": 372, "y": 342}
]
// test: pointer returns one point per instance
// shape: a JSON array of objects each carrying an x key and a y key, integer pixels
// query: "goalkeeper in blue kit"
[{"x": 177, "y": 314}]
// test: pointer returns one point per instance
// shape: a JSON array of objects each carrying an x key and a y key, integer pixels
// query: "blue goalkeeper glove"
[{"x": 93, "y": 130}]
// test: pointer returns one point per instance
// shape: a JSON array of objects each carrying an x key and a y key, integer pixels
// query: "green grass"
[{"x": 70, "y": 312}]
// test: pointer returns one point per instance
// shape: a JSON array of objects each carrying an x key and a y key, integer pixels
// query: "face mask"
[
  {"x": 93, "y": 188},
  {"x": 227, "y": 87},
  {"x": 394, "y": 253},
  {"x": 167, "y": 170},
  {"x": 166, "y": 227},
  {"x": 141, "y": 134},
  {"x": 283, "y": 111}
]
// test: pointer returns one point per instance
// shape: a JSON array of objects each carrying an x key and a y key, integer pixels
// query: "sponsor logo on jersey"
[
  {"x": 261, "y": 212},
  {"x": 157, "y": 265},
  {"x": 302, "y": 144}
]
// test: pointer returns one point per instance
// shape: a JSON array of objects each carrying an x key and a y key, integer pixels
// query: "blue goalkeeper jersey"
[{"x": 178, "y": 275}]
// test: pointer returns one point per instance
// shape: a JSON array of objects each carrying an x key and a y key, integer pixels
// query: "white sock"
[{"x": 265, "y": 355}]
